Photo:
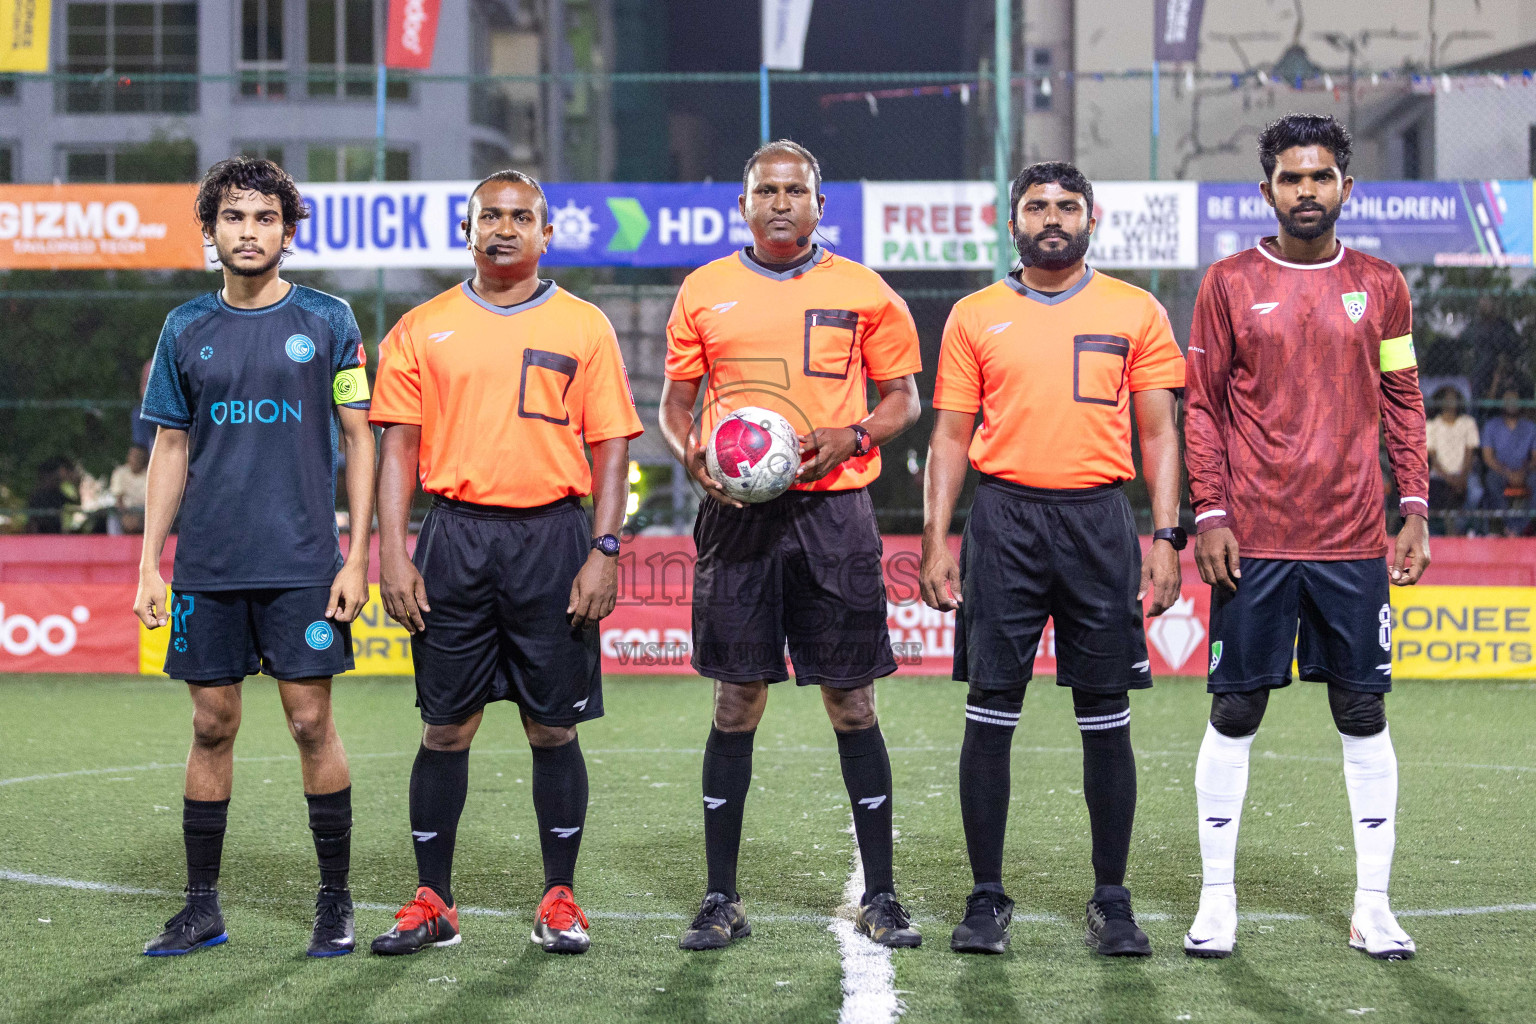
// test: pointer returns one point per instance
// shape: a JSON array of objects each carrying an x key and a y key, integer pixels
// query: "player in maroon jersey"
[{"x": 1300, "y": 353}]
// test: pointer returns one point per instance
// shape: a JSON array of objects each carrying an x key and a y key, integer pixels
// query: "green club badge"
[
  {"x": 1215, "y": 654},
  {"x": 1354, "y": 305}
]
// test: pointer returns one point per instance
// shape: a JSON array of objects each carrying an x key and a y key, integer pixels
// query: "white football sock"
[
  {"x": 1221, "y": 783},
  {"x": 1370, "y": 775}
]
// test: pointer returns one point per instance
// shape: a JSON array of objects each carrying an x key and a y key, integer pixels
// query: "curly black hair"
[
  {"x": 248, "y": 174},
  {"x": 1303, "y": 130},
  {"x": 1050, "y": 172}
]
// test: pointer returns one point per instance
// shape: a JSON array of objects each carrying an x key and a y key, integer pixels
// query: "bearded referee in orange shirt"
[
  {"x": 488, "y": 392},
  {"x": 1053, "y": 357},
  {"x": 785, "y": 325}
]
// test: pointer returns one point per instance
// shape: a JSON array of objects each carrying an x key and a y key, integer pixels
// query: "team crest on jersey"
[
  {"x": 1354, "y": 305},
  {"x": 299, "y": 348}
]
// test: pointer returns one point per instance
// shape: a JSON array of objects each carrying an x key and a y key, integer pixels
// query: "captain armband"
[
  {"x": 1397, "y": 354},
  {"x": 350, "y": 386}
]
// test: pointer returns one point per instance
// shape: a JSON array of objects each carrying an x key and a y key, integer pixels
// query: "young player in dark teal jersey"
[{"x": 242, "y": 390}]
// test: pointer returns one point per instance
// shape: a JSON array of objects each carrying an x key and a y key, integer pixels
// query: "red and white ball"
[{"x": 754, "y": 454}]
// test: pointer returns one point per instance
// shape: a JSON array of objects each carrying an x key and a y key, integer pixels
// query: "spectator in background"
[
  {"x": 55, "y": 489},
  {"x": 1508, "y": 443},
  {"x": 1485, "y": 339},
  {"x": 128, "y": 487},
  {"x": 1508, "y": 375},
  {"x": 1452, "y": 440}
]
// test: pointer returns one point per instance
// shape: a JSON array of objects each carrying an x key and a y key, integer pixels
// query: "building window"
[
  {"x": 1531, "y": 144},
  {"x": 355, "y": 163},
  {"x": 341, "y": 55},
  {"x": 120, "y": 40},
  {"x": 159, "y": 160},
  {"x": 7, "y": 164},
  {"x": 262, "y": 72},
  {"x": 7, "y": 87},
  {"x": 264, "y": 151},
  {"x": 1040, "y": 88},
  {"x": 1412, "y": 168}
]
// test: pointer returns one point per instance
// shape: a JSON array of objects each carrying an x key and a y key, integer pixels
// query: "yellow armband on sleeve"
[
  {"x": 1397, "y": 354},
  {"x": 352, "y": 385}
]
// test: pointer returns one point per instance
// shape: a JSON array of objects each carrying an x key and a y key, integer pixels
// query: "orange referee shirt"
[
  {"x": 1052, "y": 377},
  {"x": 802, "y": 342},
  {"x": 505, "y": 396}
]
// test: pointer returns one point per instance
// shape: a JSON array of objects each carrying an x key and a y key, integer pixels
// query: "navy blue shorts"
[
  {"x": 802, "y": 570},
  {"x": 499, "y": 582},
  {"x": 222, "y": 636},
  {"x": 1344, "y": 614},
  {"x": 1072, "y": 556}
]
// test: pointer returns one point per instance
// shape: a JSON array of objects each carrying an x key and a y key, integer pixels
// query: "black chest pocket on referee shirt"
[
  {"x": 829, "y": 338},
  {"x": 1098, "y": 368},
  {"x": 547, "y": 376}
]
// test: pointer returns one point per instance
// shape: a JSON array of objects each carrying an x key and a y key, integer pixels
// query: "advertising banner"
[
  {"x": 1439, "y": 223},
  {"x": 94, "y": 227},
  {"x": 61, "y": 627},
  {"x": 24, "y": 35},
  {"x": 412, "y": 31},
  {"x": 951, "y": 225},
  {"x": 1464, "y": 632},
  {"x": 1176, "y": 29},
  {"x": 416, "y": 224}
]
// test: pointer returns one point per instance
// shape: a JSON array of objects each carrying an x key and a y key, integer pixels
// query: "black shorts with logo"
[
  {"x": 222, "y": 636},
  {"x": 1343, "y": 611},
  {"x": 802, "y": 569},
  {"x": 499, "y": 581},
  {"x": 1070, "y": 555}
]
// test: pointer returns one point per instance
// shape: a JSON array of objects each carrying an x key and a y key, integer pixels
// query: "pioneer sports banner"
[
  {"x": 93, "y": 227},
  {"x": 416, "y": 224},
  {"x": 951, "y": 225},
  {"x": 1438, "y": 223},
  {"x": 411, "y": 33}
]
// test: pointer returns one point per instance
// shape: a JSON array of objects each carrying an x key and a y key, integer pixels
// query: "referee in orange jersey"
[
  {"x": 488, "y": 393},
  {"x": 786, "y": 325},
  {"x": 1053, "y": 357}
]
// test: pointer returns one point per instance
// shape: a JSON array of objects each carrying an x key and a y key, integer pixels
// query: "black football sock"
[
  {"x": 330, "y": 820},
  {"x": 727, "y": 777},
  {"x": 867, "y": 774},
  {"x": 560, "y": 801},
  {"x": 986, "y": 779},
  {"x": 202, "y": 828},
  {"x": 1109, "y": 780},
  {"x": 439, "y": 784}
]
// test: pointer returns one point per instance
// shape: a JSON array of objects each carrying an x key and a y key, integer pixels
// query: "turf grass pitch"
[{"x": 90, "y": 792}]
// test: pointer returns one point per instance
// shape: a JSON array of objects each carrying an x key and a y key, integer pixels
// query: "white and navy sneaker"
[
  {"x": 1375, "y": 931},
  {"x": 1213, "y": 936}
]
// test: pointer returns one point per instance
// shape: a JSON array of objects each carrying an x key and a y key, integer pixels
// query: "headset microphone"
[{"x": 802, "y": 239}]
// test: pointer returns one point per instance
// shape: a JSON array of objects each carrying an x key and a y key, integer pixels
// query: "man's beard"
[
  {"x": 1307, "y": 232},
  {"x": 1052, "y": 259},
  {"x": 228, "y": 260}
]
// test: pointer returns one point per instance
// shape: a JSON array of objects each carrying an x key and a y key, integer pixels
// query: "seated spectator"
[
  {"x": 55, "y": 489},
  {"x": 128, "y": 487},
  {"x": 1452, "y": 440},
  {"x": 1487, "y": 338},
  {"x": 1509, "y": 441}
]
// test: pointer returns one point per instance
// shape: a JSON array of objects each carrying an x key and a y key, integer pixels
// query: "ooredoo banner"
[
  {"x": 61, "y": 627},
  {"x": 115, "y": 227},
  {"x": 412, "y": 31}
]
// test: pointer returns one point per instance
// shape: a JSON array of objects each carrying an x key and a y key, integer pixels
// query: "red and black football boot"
[
  {"x": 560, "y": 926},
  {"x": 425, "y": 921}
]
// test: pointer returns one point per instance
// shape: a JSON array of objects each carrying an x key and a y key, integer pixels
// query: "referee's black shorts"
[
  {"x": 499, "y": 582},
  {"x": 1072, "y": 556},
  {"x": 802, "y": 569}
]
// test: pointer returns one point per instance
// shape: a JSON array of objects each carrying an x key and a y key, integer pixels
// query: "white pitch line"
[{"x": 869, "y": 976}]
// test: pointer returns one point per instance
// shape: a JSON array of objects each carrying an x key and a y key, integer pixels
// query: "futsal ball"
[{"x": 754, "y": 454}]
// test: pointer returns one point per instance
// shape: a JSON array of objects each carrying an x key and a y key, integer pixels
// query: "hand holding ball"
[{"x": 753, "y": 454}]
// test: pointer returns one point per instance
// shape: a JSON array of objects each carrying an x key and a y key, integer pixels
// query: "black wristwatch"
[
  {"x": 1174, "y": 535},
  {"x": 863, "y": 443},
  {"x": 608, "y": 544}
]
